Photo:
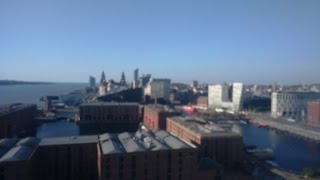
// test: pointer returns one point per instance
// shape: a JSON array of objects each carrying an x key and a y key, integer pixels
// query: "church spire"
[
  {"x": 103, "y": 79},
  {"x": 123, "y": 80}
]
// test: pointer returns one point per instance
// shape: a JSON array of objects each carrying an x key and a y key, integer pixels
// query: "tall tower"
[
  {"x": 92, "y": 82},
  {"x": 103, "y": 85},
  {"x": 136, "y": 82},
  {"x": 123, "y": 80}
]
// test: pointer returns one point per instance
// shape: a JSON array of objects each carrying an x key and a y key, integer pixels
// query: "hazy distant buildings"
[
  {"x": 17, "y": 119},
  {"x": 92, "y": 82},
  {"x": 314, "y": 113},
  {"x": 127, "y": 95},
  {"x": 158, "y": 89},
  {"x": 107, "y": 87},
  {"x": 144, "y": 80},
  {"x": 136, "y": 82},
  {"x": 225, "y": 96},
  {"x": 291, "y": 105},
  {"x": 194, "y": 84},
  {"x": 123, "y": 81},
  {"x": 202, "y": 102},
  {"x": 103, "y": 85}
]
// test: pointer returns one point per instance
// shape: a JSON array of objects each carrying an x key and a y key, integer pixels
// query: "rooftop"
[
  {"x": 22, "y": 151},
  {"x": 110, "y": 104},
  {"x": 9, "y": 108},
  {"x": 140, "y": 141},
  {"x": 296, "y": 92},
  {"x": 203, "y": 128},
  {"x": 68, "y": 140},
  {"x": 6, "y": 145},
  {"x": 161, "y": 108}
]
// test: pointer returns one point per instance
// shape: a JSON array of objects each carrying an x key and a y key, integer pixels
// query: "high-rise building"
[
  {"x": 314, "y": 113},
  {"x": 144, "y": 80},
  {"x": 136, "y": 82},
  {"x": 213, "y": 141},
  {"x": 16, "y": 119},
  {"x": 92, "y": 82},
  {"x": 158, "y": 89},
  {"x": 226, "y": 96},
  {"x": 291, "y": 105},
  {"x": 194, "y": 84}
]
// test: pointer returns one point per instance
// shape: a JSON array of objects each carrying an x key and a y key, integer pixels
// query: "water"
[
  {"x": 291, "y": 153},
  {"x": 57, "y": 129},
  {"x": 32, "y": 93}
]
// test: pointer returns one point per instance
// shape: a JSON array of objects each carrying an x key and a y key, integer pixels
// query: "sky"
[{"x": 212, "y": 41}]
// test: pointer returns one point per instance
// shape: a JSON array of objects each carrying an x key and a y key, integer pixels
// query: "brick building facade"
[
  {"x": 155, "y": 116},
  {"x": 212, "y": 141},
  {"x": 16, "y": 119},
  {"x": 314, "y": 113}
]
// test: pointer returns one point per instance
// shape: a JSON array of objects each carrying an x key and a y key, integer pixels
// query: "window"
[
  {"x": 108, "y": 176},
  {"x": 120, "y": 175},
  {"x": 108, "y": 160},
  {"x": 168, "y": 177},
  {"x": 134, "y": 174}
]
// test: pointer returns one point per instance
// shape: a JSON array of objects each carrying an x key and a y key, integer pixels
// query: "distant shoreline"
[{"x": 13, "y": 82}]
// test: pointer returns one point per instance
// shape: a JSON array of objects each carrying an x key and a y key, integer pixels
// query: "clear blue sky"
[{"x": 211, "y": 41}]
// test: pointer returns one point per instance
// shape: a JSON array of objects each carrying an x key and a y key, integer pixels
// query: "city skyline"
[{"x": 211, "y": 41}]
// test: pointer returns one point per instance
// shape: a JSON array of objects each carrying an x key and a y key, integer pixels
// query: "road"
[{"x": 283, "y": 125}]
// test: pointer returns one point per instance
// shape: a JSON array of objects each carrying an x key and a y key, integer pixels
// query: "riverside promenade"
[{"x": 295, "y": 128}]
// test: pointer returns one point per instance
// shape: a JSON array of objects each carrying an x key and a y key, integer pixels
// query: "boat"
[
  {"x": 189, "y": 109},
  {"x": 262, "y": 154},
  {"x": 272, "y": 163},
  {"x": 243, "y": 122}
]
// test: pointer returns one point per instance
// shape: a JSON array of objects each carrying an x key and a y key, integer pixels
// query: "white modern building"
[
  {"x": 158, "y": 88},
  {"x": 229, "y": 97},
  {"x": 291, "y": 105}
]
